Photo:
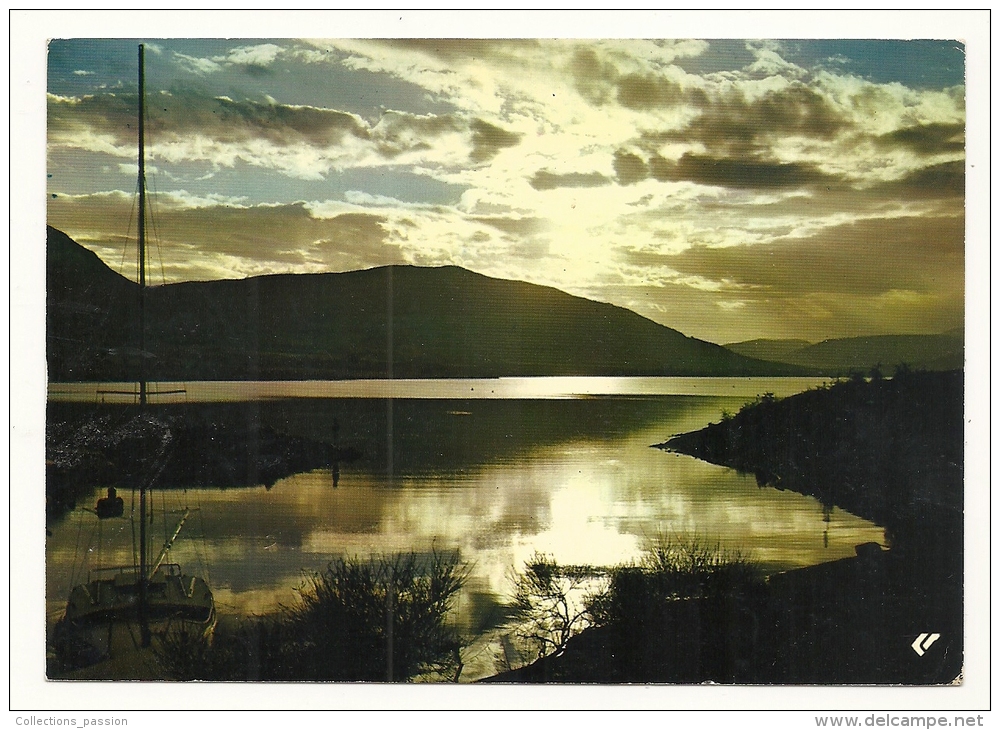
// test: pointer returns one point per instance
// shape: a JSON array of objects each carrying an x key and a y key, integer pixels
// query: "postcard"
[{"x": 502, "y": 361}]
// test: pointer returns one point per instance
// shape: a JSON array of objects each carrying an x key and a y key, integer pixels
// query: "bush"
[
  {"x": 548, "y": 607},
  {"x": 671, "y": 571},
  {"x": 382, "y": 619}
]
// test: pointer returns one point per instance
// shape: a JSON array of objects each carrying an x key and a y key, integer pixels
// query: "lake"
[
  {"x": 493, "y": 470},
  {"x": 460, "y": 388}
]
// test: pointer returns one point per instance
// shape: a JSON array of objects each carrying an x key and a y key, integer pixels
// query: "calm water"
[
  {"x": 483, "y": 388},
  {"x": 495, "y": 479}
]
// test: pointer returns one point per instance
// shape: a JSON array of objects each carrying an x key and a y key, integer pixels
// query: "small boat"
[
  {"x": 103, "y": 623},
  {"x": 119, "y": 610}
]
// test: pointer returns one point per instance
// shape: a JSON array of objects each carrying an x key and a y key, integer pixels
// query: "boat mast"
[
  {"x": 144, "y": 633},
  {"x": 142, "y": 227}
]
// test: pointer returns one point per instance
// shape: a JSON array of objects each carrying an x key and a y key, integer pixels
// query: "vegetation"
[
  {"x": 383, "y": 619},
  {"x": 553, "y": 603},
  {"x": 678, "y": 614},
  {"x": 692, "y": 614},
  {"x": 671, "y": 571},
  {"x": 889, "y": 450},
  {"x": 548, "y": 606}
]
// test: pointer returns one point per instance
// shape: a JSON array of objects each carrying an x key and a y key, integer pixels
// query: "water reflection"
[
  {"x": 494, "y": 480},
  {"x": 437, "y": 388}
]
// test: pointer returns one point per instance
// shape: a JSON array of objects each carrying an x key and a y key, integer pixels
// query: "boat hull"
[{"x": 102, "y": 616}]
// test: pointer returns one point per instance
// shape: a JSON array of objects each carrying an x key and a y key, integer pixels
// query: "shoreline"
[{"x": 887, "y": 450}]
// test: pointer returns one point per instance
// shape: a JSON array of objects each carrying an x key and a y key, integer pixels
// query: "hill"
[
  {"x": 944, "y": 351},
  {"x": 89, "y": 315},
  {"x": 395, "y": 321},
  {"x": 773, "y": 350}
]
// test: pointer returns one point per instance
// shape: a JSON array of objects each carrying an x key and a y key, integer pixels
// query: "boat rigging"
[{"x": 155, "y": 594}]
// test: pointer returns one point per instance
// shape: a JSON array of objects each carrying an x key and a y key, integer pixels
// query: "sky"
[{"x": 729, "y": 189}]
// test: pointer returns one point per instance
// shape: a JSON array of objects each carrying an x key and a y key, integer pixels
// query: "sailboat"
[{"x": 119, "y": 610}]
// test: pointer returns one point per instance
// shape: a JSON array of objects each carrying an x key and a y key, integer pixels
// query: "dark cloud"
[
  {"x": 185, "y": 112},
  {"x": 864, "y": 258},
  {"x": 592, "y": 77},
  {"x": 397, "y": 132},
  {"x": 256, "y": 70},
  {"x": 356, "y": 241},
  {"x": 545, "y": 180},
  {"x": 279, "y": 234},
  {"x": 487, "y": 140},
  {"x": 927, "y": 139},
  {"x": 641, "y": 92},
  {"x": 946, "y": 179},
  {"x": 361, "y": 227},
  {"x": 456, "y": 50},
  {"x": 532, "y": 250},
  {"x": 107, "y": 114},
  {"x": 869, "y": 277},
  {"x": 746, "y": 172},
  {"x": 266, "y": 237},
  {"x": 738, "y": 172},
  {"x": 662, "y": 169},
  {"x": 513, "y": 226},
  {"x": 805, "y": 315},
  {"x": 732, "y": 124},
  {"x": 943, "y": 181},
  {"x": 238, "y": 121},
  {"x": 630, "y": 168}
]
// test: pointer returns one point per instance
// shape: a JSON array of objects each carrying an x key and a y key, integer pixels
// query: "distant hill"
[
  {"x": 396, "y": 321},
  {"x": 773, "y": 350},
  {"x": 841, "y": 356}
]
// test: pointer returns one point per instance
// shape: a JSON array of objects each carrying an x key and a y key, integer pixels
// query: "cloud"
[
  {"x": 739, "y": 172},
  {"x": 254, "y": 60},
  {"x": 720, "y": 182},
  {"x": 194, "y": 65},
  {"x": 638, "y": 91},
  {"x": 277, "y": 123},
  {"x": 744, "y": 172},
  {"x": 630, "y": 168},
  {"x": 546, "y": 180},
  {"x": 299, "y": 140},
  {"x": 184, "y": 113},
  {"x": 946, "y": 180},
  {"x": 488, "y": 140},
  {"x": 593, "y": 76},
  {"x": 732, "y": 122},
  {"x": 200, "y": 238},
  {"x": 768, "y": 61},
  {"x": 513, "y": 226},
  {"x": 871, "y": 257},
  {"x": 398, "y": 133},
  {"x": 927, "y": 139},
  {"x": 356, "y": 241}
]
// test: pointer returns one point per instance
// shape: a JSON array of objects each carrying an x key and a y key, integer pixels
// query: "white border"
[{"x": 29, "y": 30}]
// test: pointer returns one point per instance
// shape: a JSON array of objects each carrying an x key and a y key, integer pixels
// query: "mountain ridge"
[
  {"x": 393, "y": 321},
  {"x": 843, "y": 355}
]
